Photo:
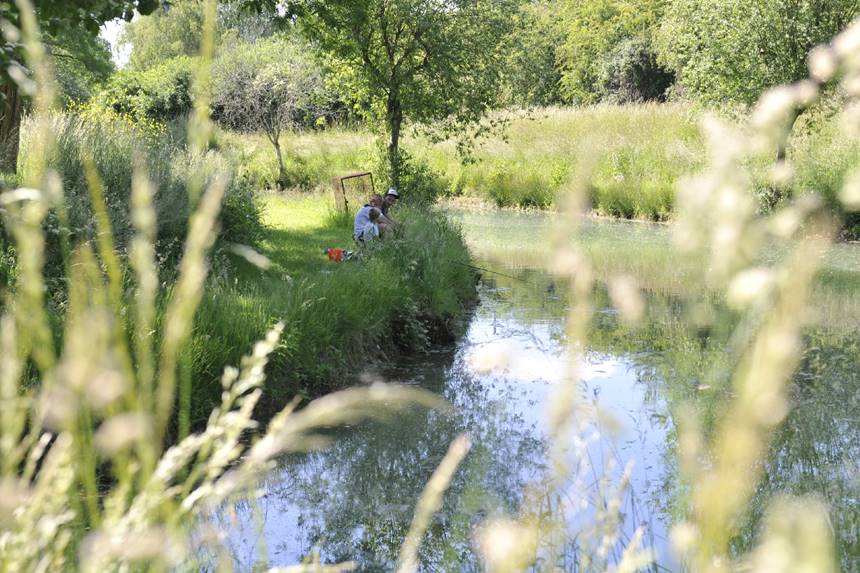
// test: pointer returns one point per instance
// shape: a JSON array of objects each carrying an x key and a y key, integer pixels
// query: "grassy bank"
[
  {"x": 404, "y": 296},
  {"x": 340, "y": 318}
]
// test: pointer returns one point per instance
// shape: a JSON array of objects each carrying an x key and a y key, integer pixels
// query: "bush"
[
  {"x": 630, "y": 74},
  {"x": 161, "y": 93},
  {"x": 419, "y": 183}
]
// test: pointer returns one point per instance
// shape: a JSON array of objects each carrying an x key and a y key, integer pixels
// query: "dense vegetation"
[{"x": 143, "y": 246}]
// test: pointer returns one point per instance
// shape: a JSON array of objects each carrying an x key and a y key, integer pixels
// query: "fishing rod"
[{"x": 489, "y": 271}]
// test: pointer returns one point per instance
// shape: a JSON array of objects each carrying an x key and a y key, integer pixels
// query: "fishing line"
[{"x": 489, "y": 271}]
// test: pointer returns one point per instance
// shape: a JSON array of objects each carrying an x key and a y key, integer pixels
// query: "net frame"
[{"x": 342, "y": 195}]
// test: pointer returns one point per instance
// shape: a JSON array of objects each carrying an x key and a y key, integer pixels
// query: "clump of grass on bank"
[{"x": 406, "y": 294}]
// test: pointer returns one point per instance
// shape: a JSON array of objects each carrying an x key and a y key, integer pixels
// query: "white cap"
[{"x": 392, "y": 191}]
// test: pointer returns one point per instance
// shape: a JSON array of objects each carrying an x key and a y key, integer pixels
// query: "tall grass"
[
  {"x": 311, "y": 160},
  {"x": 87, "y": 484},
  {"x": 643, "y": 149},
  {"x": 113, "y": 145}
]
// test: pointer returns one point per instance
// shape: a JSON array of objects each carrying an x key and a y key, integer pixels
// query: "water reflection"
[{"x": 355, "y": 500}]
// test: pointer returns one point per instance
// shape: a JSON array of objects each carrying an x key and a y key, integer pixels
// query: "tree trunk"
[
  {"x": 282, "y": 171},
  {"x": 782, "y": 149},
  {"x": 395, "y": 120},
  {"x": 11, "y": 109}
]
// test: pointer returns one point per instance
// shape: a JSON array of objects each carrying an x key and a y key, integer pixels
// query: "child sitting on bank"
[{"x": 371, "y": 228}]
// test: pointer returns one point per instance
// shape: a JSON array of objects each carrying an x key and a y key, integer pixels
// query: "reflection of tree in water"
[
  {"x": 356, "y": 499},
  {"x": 815, "y": 451}
]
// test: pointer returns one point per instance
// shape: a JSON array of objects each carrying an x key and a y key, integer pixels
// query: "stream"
[{"x": 355, "y": 500}]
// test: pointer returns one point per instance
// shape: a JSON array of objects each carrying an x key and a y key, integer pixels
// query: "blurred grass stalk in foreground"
[
  {"x": 717, "y": 222},
  {"x": 84, "y": 481}
]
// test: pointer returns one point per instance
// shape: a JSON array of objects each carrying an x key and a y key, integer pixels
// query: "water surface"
[{"x": 355, "y": 500}]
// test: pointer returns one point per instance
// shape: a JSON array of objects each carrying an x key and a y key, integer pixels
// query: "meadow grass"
[
  {"x": 311, "y": 160},
  {"x": 636, "y": 156}
]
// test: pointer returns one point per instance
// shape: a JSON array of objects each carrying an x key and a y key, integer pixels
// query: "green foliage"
[
  {"x": 82, "y": 63},
  {"x": 637, "y": 155},
  {"x": 164, "y": 35},
  {"x": 630, "y": 74},
  {"x": 592, "y": 31},
  {"x": 113, "y": 143},
  {"x": 531, "y": 77},
  {"x": 732, "y": 50},
  {"x": 419, "y": 184},
  {"x": 310, "y": 160},
  {"x": 425, "y": 62},
  {"x": 160, "y": 93},
  {"x": 268, "y": 87},
  {"x": 56, "y": 18}
]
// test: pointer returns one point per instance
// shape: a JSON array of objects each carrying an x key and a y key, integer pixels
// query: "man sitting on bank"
[{"x": 386, "y": 223}]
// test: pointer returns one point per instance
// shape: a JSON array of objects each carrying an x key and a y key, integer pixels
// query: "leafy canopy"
[
  {"x": 163, "y": 35},
  {"x": 733, "y": 50},
  {"x": 426, "y": 61},
  {"x": 56, "y": 17},
  {"x": 592, "y": 30}
]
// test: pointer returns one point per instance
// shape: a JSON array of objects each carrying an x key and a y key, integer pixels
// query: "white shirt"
[
  {"x": 362, "y": 218},
  {"x": 370, "y": 231}
]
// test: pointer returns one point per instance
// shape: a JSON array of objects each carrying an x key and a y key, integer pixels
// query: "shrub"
[
  {"x": 161, "y": 93},
  {"x": 419, "y": 183},
  {"x": 630, "y": 74}
]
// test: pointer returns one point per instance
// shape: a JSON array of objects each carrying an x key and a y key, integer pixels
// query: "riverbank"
[{"x": 340, "y": 318}]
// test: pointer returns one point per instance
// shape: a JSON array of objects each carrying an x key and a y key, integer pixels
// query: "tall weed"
[{"x": 113, "y": 144}]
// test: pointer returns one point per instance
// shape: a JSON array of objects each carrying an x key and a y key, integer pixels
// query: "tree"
[
  {"x": 168, "y": 34},
  {"x": 267, "y": 87},
  {"x": 733, "y": 50},
  {"x": 531, "y": 77},
  {"x": 630, "y": 74},
  {"x": 592, "y": 30},
  {"x": 54, "y": 16},
  {"x": 83, "y": 62},
  {"x": 164, "y": 35},
  {"x": 432, "y": 62}
]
